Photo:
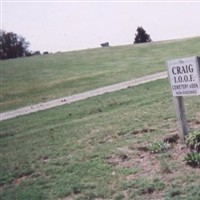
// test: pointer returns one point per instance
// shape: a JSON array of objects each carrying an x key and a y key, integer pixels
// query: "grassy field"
[
  {"x": 99, "y": 148},
  {"x": 36, "y": 79}
]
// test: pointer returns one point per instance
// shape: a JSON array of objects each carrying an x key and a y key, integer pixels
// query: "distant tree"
[
  {"x": 36, "y": 53},
  {"x": 12, "y": 45},
  {"x": 141, "y": 36}
]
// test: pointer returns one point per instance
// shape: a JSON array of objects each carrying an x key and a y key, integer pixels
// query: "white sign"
[{"x": 184, "y": 76}]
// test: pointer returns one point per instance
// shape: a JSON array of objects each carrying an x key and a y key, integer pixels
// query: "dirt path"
[{"x": 81, "y": 96}]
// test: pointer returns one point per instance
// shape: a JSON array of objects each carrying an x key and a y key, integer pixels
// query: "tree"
[
  {"x": 12, "y": 45},
  {"x": 141, "y": 36}
]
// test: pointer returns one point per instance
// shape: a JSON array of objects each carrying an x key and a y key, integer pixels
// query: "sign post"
[
  {"x": 184, "y": 77},
  {"x": 180, "y": 115}
]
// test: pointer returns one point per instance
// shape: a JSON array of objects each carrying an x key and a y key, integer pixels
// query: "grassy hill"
[
  {"x": 101, "y": 148},
  {"x": 27, "y": 81}
]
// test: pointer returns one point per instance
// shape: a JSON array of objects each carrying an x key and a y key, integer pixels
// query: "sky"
[{"x": 73, "y": 25}]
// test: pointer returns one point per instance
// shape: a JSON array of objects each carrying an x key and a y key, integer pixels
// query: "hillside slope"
[{"x": 26, "y": 81}]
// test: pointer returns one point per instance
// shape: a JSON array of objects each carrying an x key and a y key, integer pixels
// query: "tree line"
[{"x": 13, "y": 45}]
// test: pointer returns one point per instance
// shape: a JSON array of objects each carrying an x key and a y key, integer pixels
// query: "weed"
[
  {"x": 128, "y": 170},
  {"x": 119, "y": 196},
  {"x": 193, "y": 141},
  {"x": 173, "y": 192},
  {"x": 188, "y": 192},
  {"x": 159, "y": 147},
  {"x": 192, "y": 159},
  {"x": 164, "y": 166},
  {"x": 143, "y": 186}
]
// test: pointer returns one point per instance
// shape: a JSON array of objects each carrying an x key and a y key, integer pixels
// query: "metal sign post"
[
  {"x": 184, "y": 77},
  {"x": 181, "y": 119}
]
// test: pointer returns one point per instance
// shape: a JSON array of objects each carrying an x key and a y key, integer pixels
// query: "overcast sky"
[{"x": 71, "y": 25}]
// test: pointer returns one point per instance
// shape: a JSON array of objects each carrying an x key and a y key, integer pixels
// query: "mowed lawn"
[
  {"x": 26, "y": 81},
  {"x": 99, "y": 149}
]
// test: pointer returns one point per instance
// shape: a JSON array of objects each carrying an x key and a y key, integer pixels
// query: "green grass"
[
  {"x": 36, "y": 79},
  {"x": 89, "y": 149}
]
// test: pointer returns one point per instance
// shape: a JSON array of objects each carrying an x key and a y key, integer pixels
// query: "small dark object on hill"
[{"x": 106, "y": 44}]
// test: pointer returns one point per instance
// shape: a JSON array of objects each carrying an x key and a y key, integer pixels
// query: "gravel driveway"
[{"x": 81, "y": 96}]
